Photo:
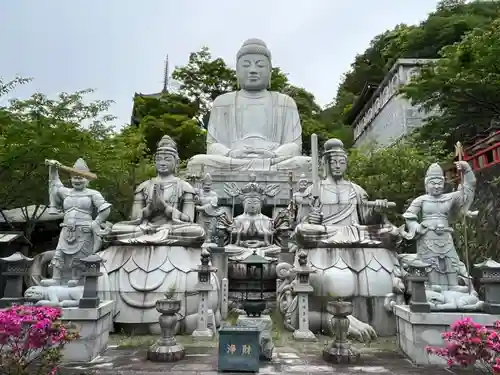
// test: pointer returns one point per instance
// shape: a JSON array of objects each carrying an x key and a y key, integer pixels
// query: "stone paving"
[{"x": 286, "y": 360}]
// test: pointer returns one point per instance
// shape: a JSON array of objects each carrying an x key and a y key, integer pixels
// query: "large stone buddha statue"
[{"x": 253, "y": 128}]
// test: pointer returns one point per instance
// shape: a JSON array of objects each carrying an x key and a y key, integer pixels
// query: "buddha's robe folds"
[{"x": 266, "y": 126}]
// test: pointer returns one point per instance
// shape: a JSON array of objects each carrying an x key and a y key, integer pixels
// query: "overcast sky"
[{"x": 118, "y": 47}]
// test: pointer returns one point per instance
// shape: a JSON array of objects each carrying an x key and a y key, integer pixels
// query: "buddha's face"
[
  {"x": 79, "y": 182},
  {"x": 303, "y": 185},
  {"x": 165, "y": 163},
  {"x": 253, "y": 72},
  {"x": 252, "y": 205},
  {"x": 435, "y": 186},
  {"x": 338, "y": 165}
]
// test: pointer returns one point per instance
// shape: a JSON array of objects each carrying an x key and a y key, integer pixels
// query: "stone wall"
[{"x": 387, "y": 116}]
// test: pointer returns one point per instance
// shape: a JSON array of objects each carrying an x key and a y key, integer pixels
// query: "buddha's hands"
[
  {"x": 380, "y": 204},
  {"x": 252, "y": 154},
  {"x": 147, "y": 228}
]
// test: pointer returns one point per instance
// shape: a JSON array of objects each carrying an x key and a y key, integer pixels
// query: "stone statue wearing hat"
[
  {"x": 253, "y": 128},
  {"x": 85, "y": 211},
  {"x": 428, "y": 223},
  {"x": 163, "y": 210},
  {"x": 346, "y": 238}
]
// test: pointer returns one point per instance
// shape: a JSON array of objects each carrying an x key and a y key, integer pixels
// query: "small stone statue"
[
  {"x": 164, "y": 208},
  {"x": 206, "y": 201},
  {"x": 448, "y": 277},
  {"x": 252, "y": 230},
  {"x": 299, "y": 195},
  {"x": 253, "y": 128},
  {"x": 81, "y": 229}
]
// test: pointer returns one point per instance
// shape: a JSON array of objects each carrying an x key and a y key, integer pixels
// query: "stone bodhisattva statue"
[
  {"x": 428, "y": 223},
  {"x": 163, "y": 209},
  {"x": 253, "y": 128},
  {"x": 252, "y": 230},
  {"x": 85, "y": 211},
  {"x": 156, "y": 251},
  {"x": 343, "y": 235}
]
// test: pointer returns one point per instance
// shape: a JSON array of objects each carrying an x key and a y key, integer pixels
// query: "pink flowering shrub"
[
  {"x": 31, "y": 340},
  {"x": 469, "y": 343}
]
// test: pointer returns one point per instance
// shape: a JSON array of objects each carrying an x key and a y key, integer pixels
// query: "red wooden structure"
[{"x": 483, "y": 153}]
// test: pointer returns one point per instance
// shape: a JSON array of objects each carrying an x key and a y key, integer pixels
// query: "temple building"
[
  {"x": 380, "y": 114},
  {"x": 134, "y": 119}
]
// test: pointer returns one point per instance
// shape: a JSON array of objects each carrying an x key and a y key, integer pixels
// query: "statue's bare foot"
[
  {"x": 73, "y": 283},
  {"x": 361, "y": 331}
]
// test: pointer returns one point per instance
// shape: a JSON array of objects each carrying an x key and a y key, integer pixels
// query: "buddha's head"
[
  {"x": 253, "y": 65},
  {"x": 166, "y": 156},
  {"x": 434, "y": 180},
  {"x": 335, "y": 158},
  {"x": 77, "y": 181}
]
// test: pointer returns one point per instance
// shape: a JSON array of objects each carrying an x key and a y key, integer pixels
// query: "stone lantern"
[
  {"x": 16, "y": 267},
  {"x": 91, "y": 273},
  {"x": 203, "y": 287},
  {"x": 417, "y": 277},
  {"x": 253, "y": 299},
  {"x": 303, "y": 288},
  {"x": 490, "y": 280}
]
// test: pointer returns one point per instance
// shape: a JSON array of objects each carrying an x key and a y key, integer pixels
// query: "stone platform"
[
  {"x": 418, "y": 330},
  {"x": 286, "y": 360}
]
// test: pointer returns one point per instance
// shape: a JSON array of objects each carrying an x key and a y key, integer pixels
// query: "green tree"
[
  {"x": 397, "y": 172},
  {"x": 446, "y": 26},
  {"x": 463, "y": 86},
  {"x": 172, "y": 114}
]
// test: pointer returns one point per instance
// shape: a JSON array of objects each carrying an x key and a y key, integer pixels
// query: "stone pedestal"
[
  {"x": 340, "y": 350},
  {"x": 204, "y": 270},
  {"x": 166, "y": 349},
  {"x": 303, "y": 333},
  {"x": 202, "y": 332},
  {"x": 224, "y": 306},
  {"x": 264, "y": 324},
  {"x": 303, "y": 289},
  {"x": 93, "y": 325},
  {"x": 418, "y": 330}
]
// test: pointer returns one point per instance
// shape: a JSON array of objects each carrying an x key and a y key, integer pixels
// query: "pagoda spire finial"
[{"x": 165, "y": 77}]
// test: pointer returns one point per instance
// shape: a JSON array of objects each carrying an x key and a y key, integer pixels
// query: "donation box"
[{"x": 239, "y": 349}]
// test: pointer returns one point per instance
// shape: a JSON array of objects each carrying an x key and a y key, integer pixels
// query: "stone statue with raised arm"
[
  {"x": 428, "y": 224},
  {"x": 253, "y": 128},
  {"x": 85, "y": 211},
  {"x": 347, "y": 240}
]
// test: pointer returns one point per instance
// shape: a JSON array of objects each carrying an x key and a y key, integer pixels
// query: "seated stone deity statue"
[
  {"x": 434, "y": 240},
  {"x": 163, "y": 209},
  {"x": 342, "y": 213},
  {"x": 253, "y": 128},
  {"x": 346, "y": 238},
  {"x": 252, "y": 231}
]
